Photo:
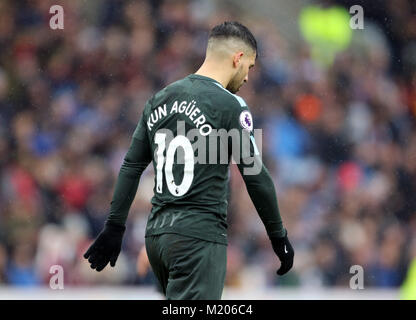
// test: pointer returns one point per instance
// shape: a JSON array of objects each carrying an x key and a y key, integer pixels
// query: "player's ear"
[{"x": 237, "y": 58}]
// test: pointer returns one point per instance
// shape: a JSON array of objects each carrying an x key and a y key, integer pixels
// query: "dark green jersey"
[{"x": 190, "y": 130}]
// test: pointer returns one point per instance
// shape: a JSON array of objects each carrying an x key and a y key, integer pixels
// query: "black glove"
[
  {"x": 106, "y": 247},
  {"x": 285, "y": 252}
]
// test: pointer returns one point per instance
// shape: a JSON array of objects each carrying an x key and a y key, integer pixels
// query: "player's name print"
[{"x": 189, "y": 108}]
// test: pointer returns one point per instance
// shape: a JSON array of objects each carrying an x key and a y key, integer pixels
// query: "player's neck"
[{"x": 213, "y": 73}]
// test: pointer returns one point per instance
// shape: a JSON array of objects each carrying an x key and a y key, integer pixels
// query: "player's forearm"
[
  {"x": 124, "y": 193},
  {"x": 262, "y": 192},
  {"x": 135, "y": 162}
]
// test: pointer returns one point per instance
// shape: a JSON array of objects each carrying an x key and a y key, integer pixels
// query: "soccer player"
[{"x": 186, "y": 232}]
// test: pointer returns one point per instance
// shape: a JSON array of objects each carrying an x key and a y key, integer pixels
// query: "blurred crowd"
[{"x": 339, "y": 140}]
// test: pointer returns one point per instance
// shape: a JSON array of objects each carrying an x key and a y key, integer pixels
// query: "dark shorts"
[{"x": 187, "y": 268}]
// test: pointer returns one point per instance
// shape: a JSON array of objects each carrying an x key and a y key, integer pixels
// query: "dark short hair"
[{"x": 234, "y": 29}]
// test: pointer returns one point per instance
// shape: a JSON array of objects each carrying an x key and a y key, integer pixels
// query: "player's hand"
[
  {"x": 106, "y": 247},
  {"x": 285, "y": 252}
]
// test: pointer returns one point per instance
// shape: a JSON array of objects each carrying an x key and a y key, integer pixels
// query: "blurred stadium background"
[{"x": 337, "y": 107}]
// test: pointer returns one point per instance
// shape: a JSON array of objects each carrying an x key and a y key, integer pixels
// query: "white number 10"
[{"x": 188, "y": 176}]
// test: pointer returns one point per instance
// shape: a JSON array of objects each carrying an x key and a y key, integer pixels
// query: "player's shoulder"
[
  {"x": 234, "y": 102},
  {"x": 169, "y": 91},
  {"x": 203, "y": 88},
  {"x": 172, "y": 88}
]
